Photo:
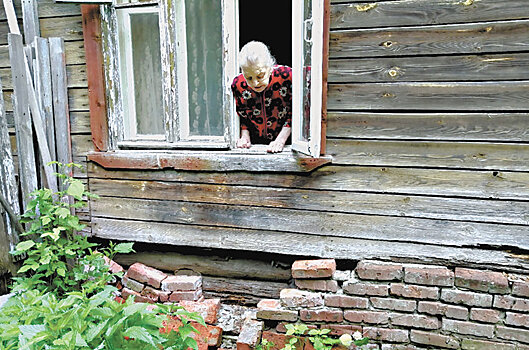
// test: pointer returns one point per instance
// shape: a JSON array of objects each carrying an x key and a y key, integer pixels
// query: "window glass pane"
[
  {"x": 147, "y": 73},
  {"x": 204, "y": 60},
  {"x": 307, "y": 56}
]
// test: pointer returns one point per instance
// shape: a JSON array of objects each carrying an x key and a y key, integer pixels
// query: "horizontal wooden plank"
[
  {"x": 511, "y": 66},
  {"x": 76, "y": 76},
  {"x": 420, "y": 12},
  {"x": 68, "y": 28},
  {"x": 263, "y": 289},
  {"x": 493, "y": 211},
  {"x": 77, "y": 99},
  {"x": 47, "y": 8},
  {"x": 399, "y": 229},
  {"x": 209, "y": 265},
  {"x": 408, "y": 181},
  {"x": 485, "y": 37},
  {"x": 80, "y": 122},
  {"x": 81, "y": 144},
  {"x": 504, "y": 157},
  {"x": 511, "y": 127},
  {"x": 433, "y": 96},
  {"x": 75, "y": 53},
  {"x": 299, "y": 244}
]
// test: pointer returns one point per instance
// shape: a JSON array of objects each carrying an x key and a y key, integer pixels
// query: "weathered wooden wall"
[
  {"x": 428, "y": 129},
  {"x": 56, "y": 20}
]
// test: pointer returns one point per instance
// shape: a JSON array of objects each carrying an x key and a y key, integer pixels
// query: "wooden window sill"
[{"x": 254, "y": 159}]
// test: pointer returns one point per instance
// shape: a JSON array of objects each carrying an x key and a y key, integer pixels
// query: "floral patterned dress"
[{"x": 265, "y": 113}]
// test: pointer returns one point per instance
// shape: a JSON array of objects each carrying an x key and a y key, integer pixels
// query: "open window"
[{"x": 168, "y": 68}]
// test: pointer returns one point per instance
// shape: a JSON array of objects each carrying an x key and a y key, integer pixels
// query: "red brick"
[
  {"x": 520, "y": 288},
  {"x": 516, "y": 334},
  {"x": 113, "y": 266},
  {"x": 436, "y": 308},
  {"x": 339, "y": 329},
  {"x": 363, "y": 288},
  {"x": 155, "y": 294},
  {"x": 394, "y": 304},
  {"x": 280, "y": 340},
  {"x": 372, "y": 317},
  {"x": 270, "y": 309},
  {"x": 429, "y": 275},
  {"x": 467, "y": 298},
  {"x": 146, "y": 274},
  {"x": 434, "y": 339},
  {"x": 415, "y": 321},
  {"x": 250, "y": 334},
  {"x": 415, "y": 292},
  {"x": 468, "y": 328},
  {"x": 386, "y": 334},
  {"x": 381, "y": 271},
  {"x": 481, "y": 280},
  {"x": 132, "y": 284},
  {"x": 510, "y": 303},
  {"x": 485, "y": 315},
  {"x": 515, "y": 319},
  {"x": 323, "y": 315},
  {"x": 180, "y": 283},
  {"x": 190, "y": 295},
  {"x": 346, "y": 302},
  {"x": 300, "y": 298},
  {"x": 207, "y": 335},
  {"x": 474, "y": 344},
  {"x": 208, "y": 308},
  {"x": 319, "y": 268},
  {"x": 319, "y": 285},
  {"x": 125, "y": 293}
]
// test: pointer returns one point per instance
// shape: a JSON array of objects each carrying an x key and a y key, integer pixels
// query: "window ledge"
[{"x": 236, "y": 160}]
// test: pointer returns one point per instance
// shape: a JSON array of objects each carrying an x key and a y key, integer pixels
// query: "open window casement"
[{"x": 307, "y": 39}]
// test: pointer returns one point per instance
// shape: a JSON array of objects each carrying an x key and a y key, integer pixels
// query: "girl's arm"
[{"x": 279, "y": 143}]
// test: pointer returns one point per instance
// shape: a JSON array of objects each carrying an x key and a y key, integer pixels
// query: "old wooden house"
[{"x": 410, "y": 138}]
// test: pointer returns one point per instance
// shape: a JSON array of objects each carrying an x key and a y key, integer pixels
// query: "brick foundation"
[{"x": 405, "y": 306}]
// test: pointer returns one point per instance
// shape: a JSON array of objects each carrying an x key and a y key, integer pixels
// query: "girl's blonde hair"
[{"x": 255, "y": 53}]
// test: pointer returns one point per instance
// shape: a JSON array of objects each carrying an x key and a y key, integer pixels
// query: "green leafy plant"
[
  {"x": 320, "y": 338},
  {"x": 63, "y": 299},
  {"x": 41, "y": 320}
]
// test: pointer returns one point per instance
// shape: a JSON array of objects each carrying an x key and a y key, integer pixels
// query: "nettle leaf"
[
  {"x": 76, "y": 189},
  {"x": 45, "y": 220},
  {"x": 124, "y": 248},
  {"x": 25, "y": 245},
  {"x": 139, "y": 333},
  {"x": 62, "y": 212}
]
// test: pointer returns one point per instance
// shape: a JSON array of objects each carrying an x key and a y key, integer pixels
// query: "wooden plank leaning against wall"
[
  {"x": 427, "y": 126},
  {"x": 57, "y": 20}
]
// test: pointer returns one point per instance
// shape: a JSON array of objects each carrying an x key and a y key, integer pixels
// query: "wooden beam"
[
  {"x": 325, "y": 71},
  {"x": 207, "y": 161},
  {"x": 30, "y": 19},
  {"x": 95, "y": 75},
  {"x": 60, "y": 101}
]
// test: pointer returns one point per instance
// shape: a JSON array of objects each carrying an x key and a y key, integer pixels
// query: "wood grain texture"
[
  {"x": 47, "y": 8},
  {"x": 475, "y": 38},
  {"x": 382, "y": 228},
  {"x": 479, "y": 156},
  {"x": 440, "y": 96},
  {"x": 509, "y": 66},
  {"x": 491, "y": 127},
  {"x": 77, "y": 100},
  {"x": 421, "y": 12},
  {"x": 372, "y": 179},
  {"x": 458, "y": 209},
  {"x": 96, "y": 79},
  {"x": 209, "y": 265},
  {"x": 299, "y": 244},
  {"x": 74, "y": 54}
]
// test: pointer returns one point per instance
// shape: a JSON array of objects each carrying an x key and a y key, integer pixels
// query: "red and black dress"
[{"x": 265, "y": 113}]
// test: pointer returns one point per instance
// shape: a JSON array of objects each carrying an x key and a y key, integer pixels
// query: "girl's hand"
[{"x": 276, "y": 146}]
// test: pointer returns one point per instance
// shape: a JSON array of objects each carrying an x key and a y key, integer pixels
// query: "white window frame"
[{"x": 172, "y": 36}]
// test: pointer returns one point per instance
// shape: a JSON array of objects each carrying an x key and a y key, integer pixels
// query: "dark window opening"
[{"x": 270, "y": 22}]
